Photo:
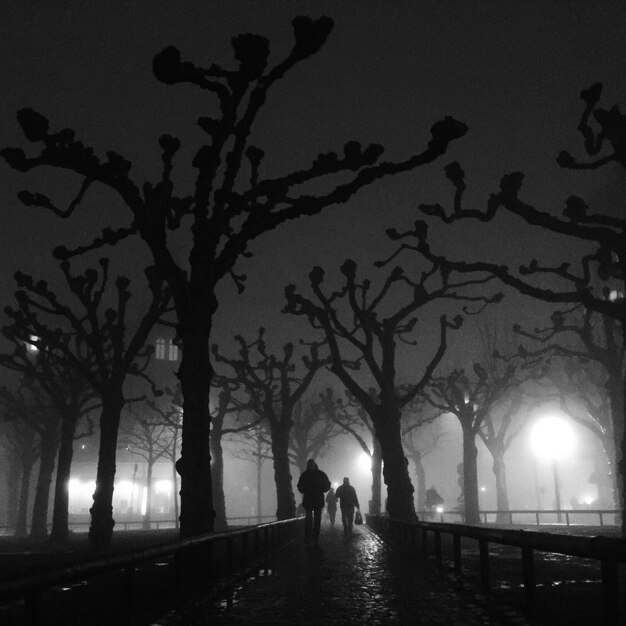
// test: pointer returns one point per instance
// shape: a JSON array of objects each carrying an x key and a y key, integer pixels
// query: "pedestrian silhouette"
[
  {"x": 313, "y": 484},
  {"x": 348, "y": 502},
  {"x": 331, "y": 505}
]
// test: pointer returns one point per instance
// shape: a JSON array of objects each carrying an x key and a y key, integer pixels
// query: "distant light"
[
  {"x": 439, "y": 509},
  {"x": 163, "y": 486},
  {"x": 483, "y": 488},
  {"x": 82, "y": 446},
  {"x": 144, "y": 500},
  {"x": 587, "y": 499},
  {"x": 365, "y": 462},
  {"x": 31, "y": 346},
  {"x": 552, "y": 437}
]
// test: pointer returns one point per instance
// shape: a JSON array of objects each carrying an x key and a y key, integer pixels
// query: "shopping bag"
[{"x": 358, "y": 518}]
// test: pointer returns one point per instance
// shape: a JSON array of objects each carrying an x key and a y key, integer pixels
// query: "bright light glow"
[
  {"x": 73, "y": 487},
  {"x": 31, "y": 347},
  {"x": 144, "y": 500},
  {"x": 163, "y": 486},
  {"x": 587, "y": 499},
  {"x": 483, "y": 488},
  {"x": 124, "y": 489},
  {"x": 365, "y": 462},
  {"x": 439, "y": 509},
  {"x": 552, "y": 438}
]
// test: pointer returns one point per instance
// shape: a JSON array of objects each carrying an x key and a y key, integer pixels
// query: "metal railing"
[
  {"x": 155, "y": 524},
  {"x": 236, "y": 549},
  {"x": 538, "y": 517},
  {"x": 609, "y": 551}
]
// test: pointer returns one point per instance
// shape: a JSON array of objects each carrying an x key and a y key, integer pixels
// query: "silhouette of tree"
[
  {"x": 229, "y": 207},
  {"x": 102, "y": 347},
  {"x": 146, "y": 436},
  {"x": 581, "y": 335},
  {"x": 421, "y": 434},
  {"x": 352, "y": 319},
  {"x": 19, "y": 439},
  {"x": 227, "y": 405},
  {"x": 71, "y": 396},
  {"x": 311, "y": 432},
  {"x": 255, "y": 446},
  {"x": 598, "y": 285},
  {"x": 274, "y": 385},
  {"x": 353, "y": 418}
]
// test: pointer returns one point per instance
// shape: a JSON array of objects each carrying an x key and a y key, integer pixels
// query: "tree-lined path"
[{"x": 353, "y": 580}]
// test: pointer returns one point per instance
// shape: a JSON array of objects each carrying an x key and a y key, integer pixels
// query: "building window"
[
  {"x": 160, "y": 349},
  {"x": 166, "y": 350},
  {"x": 172, "y": 351}
]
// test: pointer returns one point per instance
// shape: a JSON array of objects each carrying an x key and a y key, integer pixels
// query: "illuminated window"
[
  {"x": 160, "y": 349},
  {"x": 166, "y": 350},
  {"x": 172, "y": 351}
]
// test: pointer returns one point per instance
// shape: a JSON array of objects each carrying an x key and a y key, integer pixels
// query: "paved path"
[{"x": 353, "y": 580}]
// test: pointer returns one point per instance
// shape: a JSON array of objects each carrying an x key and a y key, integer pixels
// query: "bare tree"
[
  {"x": 103, "y": 347},
  {"x": 274, "y": 385},
  {"x": 598, "y": 285},
  {"x": 229, "y": 206},
  {"x": 361, "y": 327}
]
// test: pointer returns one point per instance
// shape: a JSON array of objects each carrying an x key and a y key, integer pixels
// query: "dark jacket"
[
  {"x": 346, "y": 494},
  {"x": 313, "y": 484}
]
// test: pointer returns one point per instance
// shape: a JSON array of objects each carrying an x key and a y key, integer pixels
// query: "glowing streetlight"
[
  {"x": 365, "y": 462},
  {"x": 552, "y": 438}
]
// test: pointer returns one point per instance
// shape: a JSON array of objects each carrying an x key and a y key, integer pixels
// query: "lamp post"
[{"x": 552, "y": 438}]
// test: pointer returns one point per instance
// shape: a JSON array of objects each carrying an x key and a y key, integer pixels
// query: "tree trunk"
[
  {"x": 13, "y": 492},
  {"x": 102, "y": 522},
  {"x": 502, "y": 495},
  {"x": 286, "y": 501},
  {"x": 395, "y": 465},
  {"x": 259, "y": 500},
  {"x": 217, "y": 474},
  {"x": 49, "y": 444},
  {"x": 197, "y": 515},
  {"x": 377, "y": 466},
  {"x": 60, "y": 512},
  {"x": 622, "y": 461},
  {"x": 420, "y": 478},
  {"x": 470, "y": 475},
  {"x": 22, "y": 511},
  {"x": 147, "y": 516}
]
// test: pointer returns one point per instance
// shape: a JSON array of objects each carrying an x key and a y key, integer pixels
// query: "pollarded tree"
[
  {"x": 311, "y": 433},
  {"x": 598, "y": 285},
  {"x": 102, "y": 344},
  {"x": 72, "y": 397},
  {"x": 585, "y": 336},
  {"x": 352, "y": 417},
  {"x": 274, "y": 386},
  {"x": 229, "y": 206},
  {"x": 19, "y": 440},
  {"x": 421, "y": 434},
  {"x": 357, "y": 320}
]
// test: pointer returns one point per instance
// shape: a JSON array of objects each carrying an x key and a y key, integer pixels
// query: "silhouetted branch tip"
[
  {"x": 34, "y": 125},
  {"x": 316, "y": 276},
  {"x": 252, "y": 52},
  {"x": 592, "y": 94},
  {"x": 445, "y": 131},
  {"x": 166, "y": 65},
  {"x": 310, "y": 35},
  {"x": 455, "y": 173}
]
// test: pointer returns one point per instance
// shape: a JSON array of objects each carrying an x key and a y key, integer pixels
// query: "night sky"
[{"x": 512, "y": 71}]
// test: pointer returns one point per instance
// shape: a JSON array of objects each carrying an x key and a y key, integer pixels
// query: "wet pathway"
[{"x": 353, "y": 580}]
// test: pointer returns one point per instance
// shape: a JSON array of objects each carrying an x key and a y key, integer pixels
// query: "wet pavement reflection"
[{"x": 344, "y": 580}]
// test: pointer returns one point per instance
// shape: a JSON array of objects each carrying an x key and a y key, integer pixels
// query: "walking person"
[
  {"x": 313, "y": 484},
  {"x": 331, "y": 505},
  {"x": 348, "y": 502}
]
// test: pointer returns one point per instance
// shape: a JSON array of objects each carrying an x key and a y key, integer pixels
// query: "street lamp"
[{"x": 552, "y": 438}]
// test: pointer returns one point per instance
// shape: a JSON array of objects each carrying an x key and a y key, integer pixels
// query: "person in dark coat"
[
  {"x": 348, "y": 502},
  {"x": 331, "y": 505},
  {"x": 313, "y": 484}
]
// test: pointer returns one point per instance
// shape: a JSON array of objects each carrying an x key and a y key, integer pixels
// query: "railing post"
[
  {"x": 567, "y": 518},
  {"x": 537, "y": 516},
  {"x": 600, "y": 512},
  {"x": 528, "y": 575},
  {"x": 438, "y": 549},
  {"x": 483, "y": 549},
  {"x": 610, "y": 592},
  {"x": 456, "y": 551}
]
